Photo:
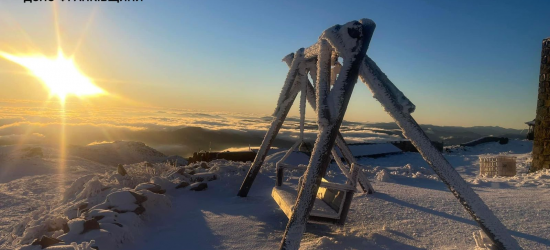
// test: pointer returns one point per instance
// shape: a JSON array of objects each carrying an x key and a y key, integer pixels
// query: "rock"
[
  {"x": 45, "y": 242},
  {"x": 383, "y": 176},
  {"x": 76, "y": 226},
  {"x": 199, "y": 186},
  {"x": 82, "y": 206},
  {"x": 204, "y": 165},
  {"x": 182, "y": 185},
  {"x": 65, "y": 228},
  {"x": 179, "y": 173},
  {"x": 139, "y": 198},
  {"x": 203, "y": 177},
  {"x": 121, "y": 202},
  {"x": 102, "y": 215},
  {"x": 90, "y": 225},
  {"x": 54, "y": 223},
  {"x": 157, "y": 189},
  {"x": 156, "y": 204},
  {"x": 99, "y": 217},
  {"x": 121, "y": 170},
  {"x": 164, "y": 183},
  {"x": 61, "y": 247},
  {"x": 77, "y": 187},
  {"x": 75, "y": 211},
  {"x": 35, "y": 242},
  {"x": 139, "y": 210},
  {"x": 148, "y": 165},
  {"x": 200, "y": 170}
]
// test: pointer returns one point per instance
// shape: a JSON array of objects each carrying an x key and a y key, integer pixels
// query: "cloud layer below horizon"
[{"x": 171, "y": 131}]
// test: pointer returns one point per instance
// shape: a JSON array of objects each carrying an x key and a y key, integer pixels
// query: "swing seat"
[{"x": 331, "y": 206}]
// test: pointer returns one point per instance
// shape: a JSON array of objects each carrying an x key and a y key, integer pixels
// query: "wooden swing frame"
[{"x": 350, "y": 42}]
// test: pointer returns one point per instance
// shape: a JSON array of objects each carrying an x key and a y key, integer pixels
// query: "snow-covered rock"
[
  {"x": 383, "y": 175},
  {"x": 155, "y": 188},
  {"x": 199, "y": 186},
  {"x": 122, "y": 201}
]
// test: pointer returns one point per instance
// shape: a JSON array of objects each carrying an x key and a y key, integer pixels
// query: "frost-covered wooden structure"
[{"x": 350, "y": 42}]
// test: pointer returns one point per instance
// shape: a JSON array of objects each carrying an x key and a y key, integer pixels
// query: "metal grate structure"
[{"x": 499, "y": 165}]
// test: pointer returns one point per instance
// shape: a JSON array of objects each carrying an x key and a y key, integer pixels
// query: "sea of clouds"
[{"x": 171, "y": 131}]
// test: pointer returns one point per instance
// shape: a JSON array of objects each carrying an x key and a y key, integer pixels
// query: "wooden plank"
[
  {"x": 332, "y": 197},
  {"x": 285, "y": 197},
  {"x": 337, "y": 186}
]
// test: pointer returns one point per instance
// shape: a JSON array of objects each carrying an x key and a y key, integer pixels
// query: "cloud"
[
  {"x": 170, "y": 131},
  {"x": 34, "y": 138},
  {"x": 178, "y": 131}
]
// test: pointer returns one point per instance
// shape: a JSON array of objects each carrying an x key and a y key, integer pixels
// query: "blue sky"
[{"x": 462, "y": 63}]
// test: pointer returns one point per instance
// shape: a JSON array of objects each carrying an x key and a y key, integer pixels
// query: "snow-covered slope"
[
  {"x": 120, "y": 152},
  {"x": 411, "y": 208},
  {"x": 32, "y": 178}
]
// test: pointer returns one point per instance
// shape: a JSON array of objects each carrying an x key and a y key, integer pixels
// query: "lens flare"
[{"x": 61, "y": 75}]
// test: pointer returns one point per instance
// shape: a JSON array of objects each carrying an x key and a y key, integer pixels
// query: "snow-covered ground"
[{"x": 411, "y": 208}]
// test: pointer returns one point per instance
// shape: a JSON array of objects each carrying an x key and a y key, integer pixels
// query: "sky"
[{"x": 463, "y": 63}]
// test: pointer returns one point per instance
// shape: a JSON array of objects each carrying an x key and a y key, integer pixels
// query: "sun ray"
[
  {"x": 60, "y": 75},
  {"x": 84, "y": 31},
  {"x": 56, "y": 25}
]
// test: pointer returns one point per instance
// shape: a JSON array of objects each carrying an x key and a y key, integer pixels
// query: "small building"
[
  {"x": 407, "y": 146},
  {"x": 230, "y": 156},
  {"x": 486, "y": 139},
  {"x": 531, "y": 131}
]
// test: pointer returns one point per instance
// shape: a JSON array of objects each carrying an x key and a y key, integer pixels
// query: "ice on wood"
[{"x": 399, "y": 108}]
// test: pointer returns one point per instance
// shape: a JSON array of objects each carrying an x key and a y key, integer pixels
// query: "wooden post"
[
  {"x": 541, "y": 144},
  {"x": 288, "y": 94},
  {"x": 399, "y": 108},
  {"x": 330, "y": 115},
  {"x": 342, "y": 145}
]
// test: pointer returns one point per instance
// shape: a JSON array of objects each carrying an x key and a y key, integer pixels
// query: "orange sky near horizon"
[{"x": 123, "y": 63}]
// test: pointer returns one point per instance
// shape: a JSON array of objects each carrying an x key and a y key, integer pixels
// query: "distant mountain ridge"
[{"x": 453, "y": 135}]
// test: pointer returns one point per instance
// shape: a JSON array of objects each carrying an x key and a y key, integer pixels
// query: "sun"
[{"x": 61, "y": 75}]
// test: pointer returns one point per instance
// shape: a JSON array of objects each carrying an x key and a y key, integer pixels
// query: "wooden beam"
[
  {"x": 288, "y": 95},
  {"x": 331, "y": 107},
  {"x": 399, "y": 108},
  {"x": 366, "y": 186}
]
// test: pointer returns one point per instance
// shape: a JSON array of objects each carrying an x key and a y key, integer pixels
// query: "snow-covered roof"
[
  {"x": 373, "y": 149},
  {"x": 367, "y": 149}
]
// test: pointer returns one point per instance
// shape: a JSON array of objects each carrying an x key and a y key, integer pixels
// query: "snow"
[
  {"x": 295, "y": 158},
  {"x": 406, "y": 212},
  {"x": 385, "y": 92}
]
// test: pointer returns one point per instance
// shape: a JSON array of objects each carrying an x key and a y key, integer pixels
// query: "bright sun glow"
[{"x": 60, "y": 75}]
